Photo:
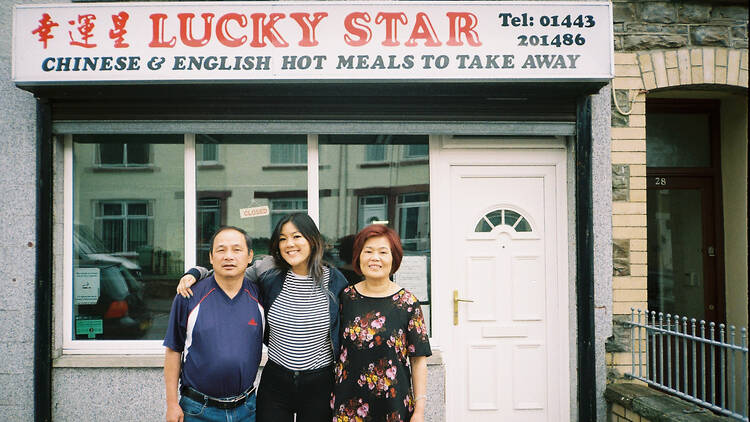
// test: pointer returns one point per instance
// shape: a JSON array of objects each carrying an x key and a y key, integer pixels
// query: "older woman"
[
  {"x": 381, "y": 373},
  {"x": 302, "y": 314}
]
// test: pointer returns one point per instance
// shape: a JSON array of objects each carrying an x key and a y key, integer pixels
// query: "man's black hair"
[{"x": 248, "y": 240}]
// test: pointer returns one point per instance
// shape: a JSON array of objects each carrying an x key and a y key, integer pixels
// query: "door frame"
[
  {"x": 447, "y": 151},
  {"x": 682, "y": 177}
]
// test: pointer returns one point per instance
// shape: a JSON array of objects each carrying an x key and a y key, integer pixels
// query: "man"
[{"x": 214, "y": 339}]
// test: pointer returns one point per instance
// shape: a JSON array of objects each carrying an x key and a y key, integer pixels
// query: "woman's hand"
[
  {"x": 183, "y": 287},
  {"x": 417, "y": 416}
]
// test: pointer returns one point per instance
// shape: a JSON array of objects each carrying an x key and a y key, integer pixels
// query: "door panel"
[{"x": 507, "y": 345}]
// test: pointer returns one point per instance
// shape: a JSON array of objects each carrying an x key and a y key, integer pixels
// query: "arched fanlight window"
[{"x": 502, "y": 217}]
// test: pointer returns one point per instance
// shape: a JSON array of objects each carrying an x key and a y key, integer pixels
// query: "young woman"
[
  {"x": 381, "y": 374},
  {"x": 302, "y": 314}
]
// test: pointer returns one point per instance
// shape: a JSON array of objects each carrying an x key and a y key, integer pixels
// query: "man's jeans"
[{"x": 196, "y": 412}]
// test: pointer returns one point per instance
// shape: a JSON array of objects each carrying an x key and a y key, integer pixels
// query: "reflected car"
[{"x": 121, "y": 305}]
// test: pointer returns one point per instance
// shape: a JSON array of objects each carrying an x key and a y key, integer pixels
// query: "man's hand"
[
  {"x": 183, "y": 287},
  {"x": 174, "y": 413}
]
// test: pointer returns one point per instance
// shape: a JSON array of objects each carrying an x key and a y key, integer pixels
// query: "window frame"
[
  {"x": 126, "y": 218},
  {"x": 125, "y": 164},
  {"x": 68, "y": 345}
]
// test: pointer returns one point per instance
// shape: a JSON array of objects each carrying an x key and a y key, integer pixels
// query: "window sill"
[
  {"x": 414, "y": 161},
  {"x": 145, "y": 169},
  {"x": 210, "y": 166},
  {"x": 291, "y": 167},
  {"x": 109, "y": 361},
  {"x": 155, "y": 361},
  {"x": 374, "y": 165}
]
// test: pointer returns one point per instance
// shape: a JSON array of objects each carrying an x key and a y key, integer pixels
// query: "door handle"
[{"x": 456, "y": 299}]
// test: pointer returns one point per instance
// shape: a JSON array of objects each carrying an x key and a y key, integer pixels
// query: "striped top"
[{"x": 299, "y": 326}]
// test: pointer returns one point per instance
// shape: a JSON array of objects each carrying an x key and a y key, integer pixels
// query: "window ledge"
[
  {"x": 413, "y": 161},
  {"x": 291, "y": 167},
  {"x": 145, "y": 169},
  {"x": 109, "y": 361},
  {"x": 210, "y": 166},
  {"x": 374, "y": 165}
]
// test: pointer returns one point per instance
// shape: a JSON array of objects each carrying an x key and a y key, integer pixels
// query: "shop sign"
[{"x": 335, "y": 41}]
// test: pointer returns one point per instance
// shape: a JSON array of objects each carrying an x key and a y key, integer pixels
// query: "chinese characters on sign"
[{"x": 236, "y": 41}]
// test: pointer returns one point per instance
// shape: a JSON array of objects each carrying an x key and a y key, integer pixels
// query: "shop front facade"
[{"x": 479, "y": 131}]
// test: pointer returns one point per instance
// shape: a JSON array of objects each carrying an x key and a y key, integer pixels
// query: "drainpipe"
[
  {"x": 43, "y": 275},
  {"x": 587, "y": 399}
]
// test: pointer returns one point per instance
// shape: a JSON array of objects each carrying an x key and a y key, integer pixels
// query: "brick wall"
[{"x": 657, "y": 45}]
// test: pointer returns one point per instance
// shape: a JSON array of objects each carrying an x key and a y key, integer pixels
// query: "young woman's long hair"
[{"x": 309, "y": 230}]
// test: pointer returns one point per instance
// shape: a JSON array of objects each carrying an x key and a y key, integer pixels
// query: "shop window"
[
  {"x": 128, "y": 247},
  {"x": 128, "y": 236},
  {"x": 121, "y": 154},
  {"x": 368, "y": 184},
  {"x": 503, "y": 217}
]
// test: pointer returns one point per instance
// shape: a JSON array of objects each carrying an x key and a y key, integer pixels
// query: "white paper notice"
[
  {"x": 86, "y": 286},
  {"x": 412, "y": 275},
  {"x": 254, "y": 212}
]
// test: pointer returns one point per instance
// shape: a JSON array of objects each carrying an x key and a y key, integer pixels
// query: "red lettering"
[
  {"x": 118, "y": 32},
  {"x": 158, "y": 31},
  {"x": 223, "y": 35},
  {"x": 45, "y": 27},
  {"x": 358, "y": 29},
  {"x": 391, "y": 20},
  {"x": 85, "y": 29},
  {"x": 263, "y": 31},
  {"x": 462, "y": 23},
  {"x": 186, "y": 29},
  {"x": 308, "y": 27},
  {"x": 423, "y": 30}
]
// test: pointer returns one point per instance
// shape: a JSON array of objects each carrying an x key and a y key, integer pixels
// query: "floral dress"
[{"x": 373, "y": 374}]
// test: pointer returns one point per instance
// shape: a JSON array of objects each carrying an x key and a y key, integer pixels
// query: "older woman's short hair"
[{"x": 377, "y": 230}]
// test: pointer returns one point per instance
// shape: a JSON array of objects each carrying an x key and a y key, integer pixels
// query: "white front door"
[{"x": 507, "y": 358}]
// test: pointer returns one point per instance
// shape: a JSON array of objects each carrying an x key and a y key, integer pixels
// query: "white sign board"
[
  {"x": 86, "y": 283},
  {"x": 240, "y": 41},
  {"x": 412, "y": 275}
]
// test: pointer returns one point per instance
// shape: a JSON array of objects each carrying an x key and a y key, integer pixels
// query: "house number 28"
[{"x": 660, "y": 181}]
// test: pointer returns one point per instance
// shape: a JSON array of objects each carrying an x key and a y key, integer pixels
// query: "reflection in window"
[
  {"x": 415, "y": 151},
  {"x": 502, "y": 217},
  {"x": 372, "y": 208},
  {"x": 207, "y": 153},
  {"x": 120, "y": 154},
  {"x": 363, "y": 180},
  {"x": 282, "y": 207},
  {"x": 413, "y": 211},
  {"x": 249, "y": 177},
  {"x": 289, "y": 154},
  {"x": 209, "y": 219},
  {"x": 375, "y": 153},
  {"x": 124, "y": 226},
  {"x": 128, "y": 235}
]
